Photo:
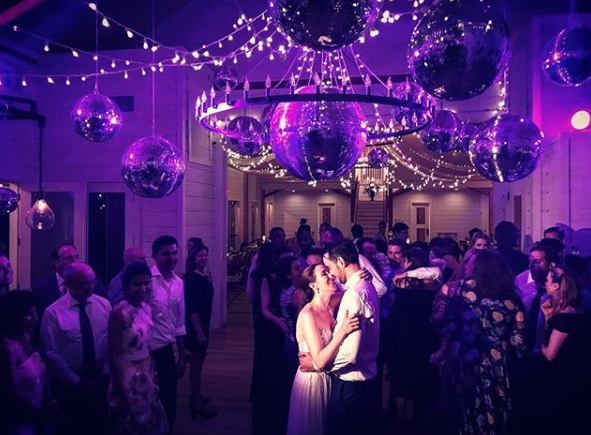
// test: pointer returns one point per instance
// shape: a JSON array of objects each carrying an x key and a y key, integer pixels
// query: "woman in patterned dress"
[
  {"x": 484, "y": 323},
  {"x": 133, "y": 394}
]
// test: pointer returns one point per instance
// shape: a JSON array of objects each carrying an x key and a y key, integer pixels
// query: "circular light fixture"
[{"x": 580, "y": 120}]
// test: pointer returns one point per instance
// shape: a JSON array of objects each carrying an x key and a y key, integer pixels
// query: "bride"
[{"x": 310, "y": 391}]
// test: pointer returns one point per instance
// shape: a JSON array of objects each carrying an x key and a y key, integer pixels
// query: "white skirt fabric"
[{"x": 307, "y": 408}]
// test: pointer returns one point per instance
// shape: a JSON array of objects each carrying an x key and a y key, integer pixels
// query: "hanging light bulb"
[{"x": 40, "y": 216}]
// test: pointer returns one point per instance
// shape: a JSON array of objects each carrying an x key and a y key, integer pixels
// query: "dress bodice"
[
  {"x": 137, "y": 329},
  {"x": 325, "y": 336},
  {"x": 29, "y": 378}
]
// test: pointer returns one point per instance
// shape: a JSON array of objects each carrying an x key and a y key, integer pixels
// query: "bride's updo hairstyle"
[{"x": 307, "y": 279}]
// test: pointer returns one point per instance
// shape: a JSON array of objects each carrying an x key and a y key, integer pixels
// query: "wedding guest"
[
  {"x": 356, "y": 232},
  {"x": 568, "y": 348},
  {"x": 305, "y": 244},
  {"x": 133, "y": 393},
  {"x": 400, "y": 231},
  {"x": 115, "y": 291},
  {"x": 321, "y": 230},
  {"x": 314, "y": 256},
  {"x": 277, "y": 238},
  {"x": 480, "y": 241},
  {"x": 484, "y": 324},
  {"x": 310, "y": 391},
  {"x": 168, "y": 313},
  {"x": 291, "y": 302},
  {"x": 396, "y": 250},
  {"x": 53, "y": 286},
  {"x": 74, "y": 343},
  {"x": 6, "y": 274},
  {"x": 192, "y": 242},
  {"x": 507, "y": 237},
  {"x": 199, "y": 293},
  {"x": 381, "y": 233}
]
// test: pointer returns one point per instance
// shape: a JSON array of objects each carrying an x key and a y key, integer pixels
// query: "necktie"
[
  {"x": 532, "y": 320},
  {"x": 88, "y": 355}
]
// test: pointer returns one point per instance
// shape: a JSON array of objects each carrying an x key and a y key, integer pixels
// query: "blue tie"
[{"x": 88, "y": 355}]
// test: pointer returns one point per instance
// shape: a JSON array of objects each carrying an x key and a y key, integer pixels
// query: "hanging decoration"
[
  {"x": 247, "y": 139},
  {"x": 458, "y": 49},
  {"x": 465, "y": 135},
  {"x": 8, "y": 200},
  {"x": 377, "y": 158},
  {"x": 506, "y": 148},
  {"x": 410, "y": 91},
  {"x": 40, "y": 216},
  {"x": 96, "y": 117},
  {"x": 225, "y": 76},
  {"x": 567, "y": 57},
  {"x": 441, "y": 135},
  {"x": 324, "y": 24}
]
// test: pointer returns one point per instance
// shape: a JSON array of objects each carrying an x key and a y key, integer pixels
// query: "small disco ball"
[
  {"x": 225, "y": 75},
  {"x": 246, "y": 136},
  {"x": 324, "y": 24},
  {"x": 96, "y": 117},
  {"x": 506, "y": 148},
  {"x": 266, "y": 116},
  {"x": 441, "y": 135},
  {"x": 8, "y": 200},
  {"x": 465, "y": 136},
  {"x": 152, "y": 167},
  {"x": 405, "y": 116},
  {"x": 458, "y": 49},
  {"x": 318, "y": 140},
  {"x": 567, "y": 57},
  {"x": 377, "y": 158}
]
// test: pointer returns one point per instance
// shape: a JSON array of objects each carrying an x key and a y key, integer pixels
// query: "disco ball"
[
  {"x": 407, "y": 117},
  {"x": 324, "y": 24},
  {"x": 246, "y": 136},
  {"x": 152, "y": 167},
  {"x": 567, "y": 57},
  {"x": 442, "y": 133},
  {"x": 266, "y": 116},
  {"x": 318, "y": 140},
  {"x": 96, "y": 117},
  {"x": 465, "y": 136},
  {"x": 506, "y": 148},
  {"x": 458, "y": 49},
  {"x": 8, "y": 200},
  {"x": 225, "y": 75},
  {"x": 377, "y": 158}
]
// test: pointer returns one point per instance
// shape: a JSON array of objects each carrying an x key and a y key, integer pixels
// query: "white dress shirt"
[
  {"x": 168, "y": 309},
  {"x": 525, "y": 287},
  {"x": 356, "y": 358},
  {"x": 377, "y": 280},
  {"x": 61, "y": 338},
  {"x": 61, "y": 283}
]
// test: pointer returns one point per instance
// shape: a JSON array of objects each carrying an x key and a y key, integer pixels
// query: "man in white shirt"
[
  {"x": 168, "y": 313},
  {"x": 354, "y": 404},
  {"x": 74, "y": 344}
]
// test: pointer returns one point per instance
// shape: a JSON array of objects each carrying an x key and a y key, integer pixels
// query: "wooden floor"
[{"x": 226, "y": 375}]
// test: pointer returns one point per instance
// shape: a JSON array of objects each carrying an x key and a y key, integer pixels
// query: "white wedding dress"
[{"x": 309, "y": 397}]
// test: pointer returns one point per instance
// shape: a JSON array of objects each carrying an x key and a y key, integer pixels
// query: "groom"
[{"x": 354, "y": 405}]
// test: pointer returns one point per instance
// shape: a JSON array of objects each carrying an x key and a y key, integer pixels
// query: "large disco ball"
[
  {"x": 405, "y": 116},
  {"x": 8, "y": 200},
  {"x": 465, "y": 136},
  {"x": 324, "y": 24},
  {"x": 441, "y": 135},
  {"x": 96, "y": 117},
  {"x": 225, "y": 75},
  {"x": 458, "y": 49},
  {"x": 152, "y": 167},
  {"x": 506, "y": 148},
  {"x": 377, "y": 158},
  {"x": 318, "y": 140},
  {"x": 246, "y": 136},
  {"x": 567, "y": 57}
]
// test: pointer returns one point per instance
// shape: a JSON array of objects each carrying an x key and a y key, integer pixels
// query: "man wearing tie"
[{"x": 74, "y": 344}]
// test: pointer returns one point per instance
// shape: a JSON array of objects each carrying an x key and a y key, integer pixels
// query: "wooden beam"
[
  {"x": 341, "y": 192},
  {"x": 272, "y": 192},
  {"x": 17, "y": 10}
]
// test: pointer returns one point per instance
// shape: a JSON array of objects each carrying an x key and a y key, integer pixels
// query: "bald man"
[
  {"x": 115, "y": 292},
  {"x": 74, "y": 344}
]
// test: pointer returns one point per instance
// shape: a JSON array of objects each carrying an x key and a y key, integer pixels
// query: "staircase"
[{"x": 369, "y": 214}]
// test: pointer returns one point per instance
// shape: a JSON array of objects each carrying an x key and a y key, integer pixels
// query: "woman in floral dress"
[
  {"x": 133, "y": 394},
  {"x": 484, "y": 324}
]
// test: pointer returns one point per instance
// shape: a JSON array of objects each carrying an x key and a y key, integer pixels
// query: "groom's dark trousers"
[{"x": 353, "y": 408}]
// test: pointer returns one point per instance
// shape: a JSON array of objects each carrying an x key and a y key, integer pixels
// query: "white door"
[{"x": 420, "y": 222}]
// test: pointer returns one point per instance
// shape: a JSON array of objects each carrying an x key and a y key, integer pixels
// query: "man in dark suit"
[
  {"x": 507, "y": 237},
  {"x": 52, "y": 287}
]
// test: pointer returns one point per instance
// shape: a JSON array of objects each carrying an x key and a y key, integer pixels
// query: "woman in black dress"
[
  {"x": 568, "y": 349},
  {"x": 413, "y": 379},
  {"x": 198, "y": 302}
]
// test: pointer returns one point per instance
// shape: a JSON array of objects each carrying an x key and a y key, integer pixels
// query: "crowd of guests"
[
  {"x": 481, "y": 339},
  {"x": 78, "y": 357}
]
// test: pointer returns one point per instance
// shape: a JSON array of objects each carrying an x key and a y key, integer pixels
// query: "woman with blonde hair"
[{"x": 568, "y": 350}]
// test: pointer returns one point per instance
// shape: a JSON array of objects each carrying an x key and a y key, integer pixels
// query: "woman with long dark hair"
[
  {"x": 198, "y": 303},
  {"x": 484, "y": 323}
]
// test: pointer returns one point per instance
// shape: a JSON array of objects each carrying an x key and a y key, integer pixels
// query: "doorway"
[{"x": 420, "y": 221}]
